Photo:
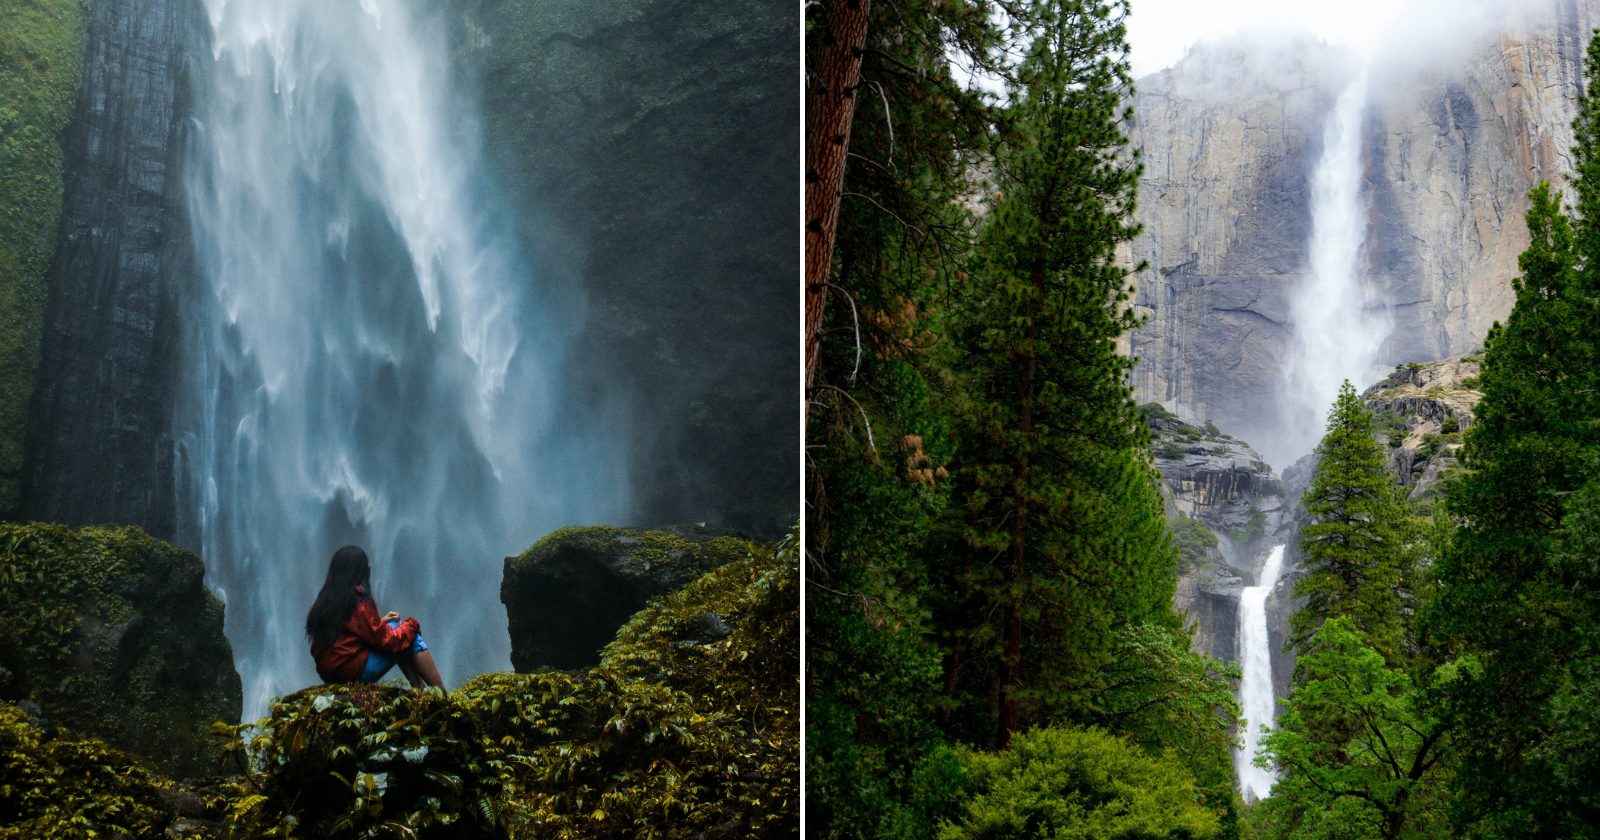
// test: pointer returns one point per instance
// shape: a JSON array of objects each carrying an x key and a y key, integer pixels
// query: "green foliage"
[
  {"x": 41, "y": 47},
  {"x": 671, "y": 736},
  {"x": 1360, "y": 755},
  {"x": 1059, "y": 501},
  {"x": 59, "y": 787},
  {"x": 1356, "y": 552},
  {"x": 112, "y": 633},
  {"x": 1079, "y": 784},
  {"x": 963, "y": 560},
  {"x": 1391, "y": 425},
  {"x": 1505, "y": 598},
  {"x": 1193, "y": 541},
  {"x": 1155, "y": 411}
]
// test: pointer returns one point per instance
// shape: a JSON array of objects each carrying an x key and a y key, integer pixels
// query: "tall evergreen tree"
[
  {"x": 1063, "y": 521},
  {"x": 1354, "y": 551},
  {"x": 1505, "y": 602},
  {"x": 877, "y": 430}
]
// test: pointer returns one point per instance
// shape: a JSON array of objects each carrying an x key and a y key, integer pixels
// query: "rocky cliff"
[
  {"x": 1452, "y": 143},
  {"x": 97, "y": 449},
  {"x": 1222, "y": 500},
  {"x": 1422, "y": 410}
]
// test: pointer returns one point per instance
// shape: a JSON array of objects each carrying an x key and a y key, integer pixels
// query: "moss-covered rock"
[
  {"x": 41, "y": 48},
  {"x": 566, "y": 596},
  {"x": 671, "y": 735},
  {"x": 111, "y": 633}
]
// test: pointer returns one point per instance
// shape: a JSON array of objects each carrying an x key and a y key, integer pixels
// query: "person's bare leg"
[
  {"x": 423, "y": 663},
  {"x": 410, "y": 670}
]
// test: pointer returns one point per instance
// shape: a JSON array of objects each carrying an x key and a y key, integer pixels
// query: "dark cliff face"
[
  {"x": 653, "y": 148},
  {"x": 97, "y": 431}
]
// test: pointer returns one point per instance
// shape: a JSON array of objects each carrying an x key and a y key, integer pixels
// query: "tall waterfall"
[
  {"x": 367, "y": 357},
  {"x": 1338, "y": 326},
  {"x": 1255, "y": 688}
]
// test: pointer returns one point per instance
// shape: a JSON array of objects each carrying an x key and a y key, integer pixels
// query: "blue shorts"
[{"x": 379, "y": 663}]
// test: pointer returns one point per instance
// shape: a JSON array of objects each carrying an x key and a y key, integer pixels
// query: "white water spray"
[
  {"x": 1255, "y": 687},
  {"x": 1338, "y": 326},
  {"x": 367, "y": 358}
]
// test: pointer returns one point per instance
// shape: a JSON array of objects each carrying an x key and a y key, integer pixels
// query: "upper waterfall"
[
  {"x": 367, "y": 356},
  {"x": 1339, "y": 325}
]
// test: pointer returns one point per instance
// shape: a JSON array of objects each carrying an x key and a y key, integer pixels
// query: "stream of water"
[
  {"x": 1256, "y": 696},
  {"x": 1338, "y": 324},
  {"x": 368, "y": 358}
]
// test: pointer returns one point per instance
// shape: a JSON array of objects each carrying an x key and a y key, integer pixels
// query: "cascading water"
[
  {"x": 1256, "y": 696},
  {"x": 367, "y": 357},
  {"x": 1338, "y": 327}
]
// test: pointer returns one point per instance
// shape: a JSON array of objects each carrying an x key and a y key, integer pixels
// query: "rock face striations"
[
  {"x": 1452, "y": 143},
  {"x": 1222, "y": 500},
  {"x": 98, "y": 450}
]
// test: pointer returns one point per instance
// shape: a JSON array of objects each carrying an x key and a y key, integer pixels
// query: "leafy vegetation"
[
  {"x": 1068, "y": 783},
  {"x": 112, "y": 633},
  {"x": 1193, "y": 540},
  {"x": 41, "y": 49},
  {"x": 987, "y": 555},
  {"x": 677, "y": 733}
]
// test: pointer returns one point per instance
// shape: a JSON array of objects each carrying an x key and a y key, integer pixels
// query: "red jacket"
[{"x": 344, "y": 660}]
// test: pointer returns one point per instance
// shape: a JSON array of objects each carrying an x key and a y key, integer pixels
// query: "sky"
[{"x": 1160, "y": 30}]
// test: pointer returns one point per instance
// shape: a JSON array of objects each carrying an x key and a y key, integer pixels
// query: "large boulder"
[
  {"x": 110, "y": 633},
  {"x": 566, "y": 596}
]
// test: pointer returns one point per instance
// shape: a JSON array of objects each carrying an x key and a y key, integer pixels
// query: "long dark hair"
[{"x": 337, "y": 600}]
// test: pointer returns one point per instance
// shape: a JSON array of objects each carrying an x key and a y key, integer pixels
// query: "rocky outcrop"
[
  {"x": 112, "y": 634},
  {"x": 98, "y": 448},
  {"x": 1421, "y": 411},
  {"x": 1453, "y": 140},
  {"x": 566, "y": 596},
  {"x": 1219, "y": 485},
  {"x": 1214, "y": 478}
]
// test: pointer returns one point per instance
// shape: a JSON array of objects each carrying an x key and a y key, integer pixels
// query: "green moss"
[
  {"x": 63, "y": 787},
  {"x": 642, "y": 550},
  {"x": 112, "y": 634},
  {"x": 667, "y": 737},
  {"x": 41, "y": 47}
]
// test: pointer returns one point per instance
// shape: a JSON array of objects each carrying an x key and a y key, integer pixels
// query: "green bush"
[
  {"x": 1193, "y": 540},
  {"x": 1078, "y": 784},
  {"x": 688, "y": 727},
  {"x": 68, "y": 788}
]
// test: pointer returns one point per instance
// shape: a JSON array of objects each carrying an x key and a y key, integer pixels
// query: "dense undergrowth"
[{"x": 679, "y": 732}]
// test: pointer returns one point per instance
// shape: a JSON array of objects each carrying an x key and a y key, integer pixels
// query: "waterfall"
[
  {"x": 1255, "y": 688},
  {"x": 1338, "y": 326},
  {"x": 367, "y": 356}
]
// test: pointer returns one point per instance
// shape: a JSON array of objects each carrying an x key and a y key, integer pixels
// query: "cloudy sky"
[{"x": 1160, "y": 30}]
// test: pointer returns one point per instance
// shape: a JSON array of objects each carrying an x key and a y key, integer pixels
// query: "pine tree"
[
  {"x": 1354, "y": 551},
  {"x": 1065, "y": 537},
  {"x": 1505, "y": 602}
]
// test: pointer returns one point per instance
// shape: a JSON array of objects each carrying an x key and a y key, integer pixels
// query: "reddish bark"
[{"x": 830, "y": 106}]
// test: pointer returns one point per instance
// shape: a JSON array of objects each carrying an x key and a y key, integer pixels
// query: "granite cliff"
[{"x": 1451, "y": 145}]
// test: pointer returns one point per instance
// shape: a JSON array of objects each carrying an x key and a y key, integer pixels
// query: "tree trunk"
[
  {"x": 1012, "y": 659},
  {"x": 830, "y": 105}
]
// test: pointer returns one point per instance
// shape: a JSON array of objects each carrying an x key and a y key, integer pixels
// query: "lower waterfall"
[{"x": 1255, "y": 688}]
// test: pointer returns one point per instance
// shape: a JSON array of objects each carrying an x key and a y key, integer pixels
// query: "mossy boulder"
[
  {"x": 111, "y": 633},
  {"x": 670, "y": 736},
  {"x": 567, "y": 596}
]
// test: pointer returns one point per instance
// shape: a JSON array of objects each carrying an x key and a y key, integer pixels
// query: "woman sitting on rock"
[{"x": 350, "y": 643}]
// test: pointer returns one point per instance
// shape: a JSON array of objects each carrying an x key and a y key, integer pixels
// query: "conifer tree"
[
  {"x": 1505, "y": 602},
  {"x": 1059, "y": 499},
  {"x": 1354, "y": 551}
]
